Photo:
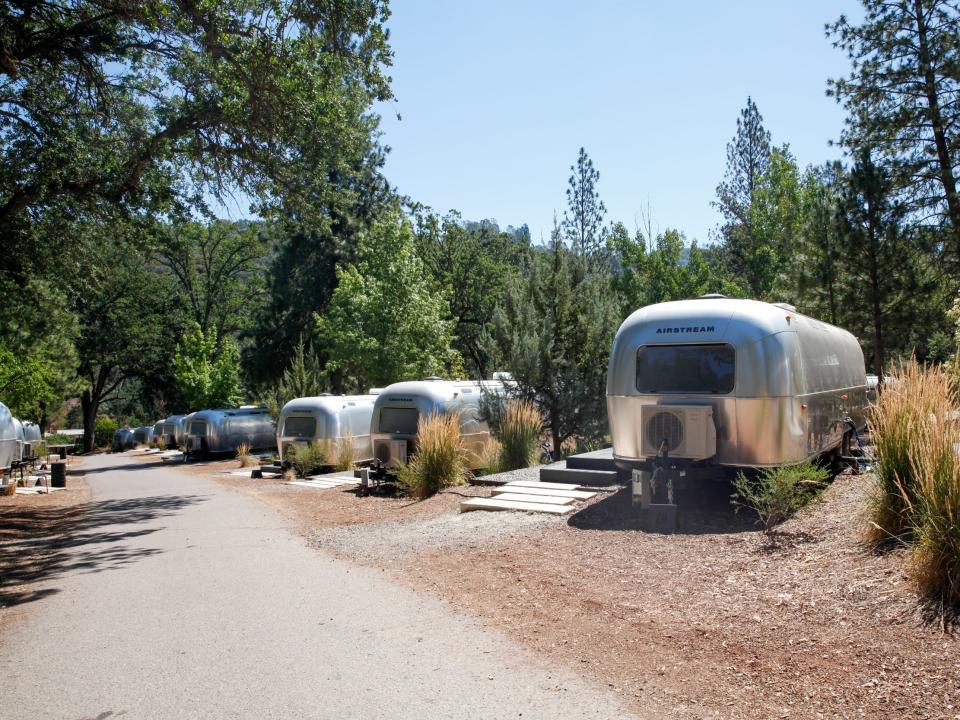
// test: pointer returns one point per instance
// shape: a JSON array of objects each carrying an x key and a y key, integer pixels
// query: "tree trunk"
[
  {"x": 944, "y": 160},
  {"x": 89, "y": 404},
  {"x": 875, "y": 298},
  {"x": 555, "y": 434}
]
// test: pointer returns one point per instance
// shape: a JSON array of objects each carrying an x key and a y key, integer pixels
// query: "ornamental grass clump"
[
  {"x": 440, "y": 460},
  {"x": 520, "y": 427},
  {"x": 343, "y": 453},
  {"x": 899, "y": 424},
  {"x": 243, "y": 452}
]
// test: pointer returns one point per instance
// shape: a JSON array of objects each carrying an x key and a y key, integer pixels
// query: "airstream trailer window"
[
  {"x": 399, "y": 421},
  {"x": 698, "y": 369},
  {"x": 198, "y": 428},
  {"x": 300, "y": 427}
]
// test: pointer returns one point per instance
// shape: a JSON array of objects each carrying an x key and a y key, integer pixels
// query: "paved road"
[{"x": 180, "y": 598}]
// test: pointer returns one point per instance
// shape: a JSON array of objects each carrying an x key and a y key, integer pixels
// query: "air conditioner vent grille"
[{"x": 664, "y": 426}]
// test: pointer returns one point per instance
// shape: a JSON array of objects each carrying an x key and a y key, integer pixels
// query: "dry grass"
[
  {"x": 916, "y": 498},
  {"x": 246, "y": 459},
  {"x": 519, "y": 432},
  {"x": 342, "y": 454},
  {"x": 161, "y": 443},
  {"x": 487, "y": 458},
  {"x": 441, "y": 460}
]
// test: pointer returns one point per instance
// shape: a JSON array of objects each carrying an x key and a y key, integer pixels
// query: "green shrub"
[
  {"x": 440, "y": 460},
  {"x": 777, "y": 493},
  {"x": 520, "y": 427},
  {"x": 103, "y": 431},
  {"x": 306, "y": 459}
]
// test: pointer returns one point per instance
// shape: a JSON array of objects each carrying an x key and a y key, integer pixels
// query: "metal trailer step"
[{"x": 598, "y": 478}]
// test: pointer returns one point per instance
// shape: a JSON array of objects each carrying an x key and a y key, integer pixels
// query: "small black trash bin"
[{"x": 58, "y": 474}]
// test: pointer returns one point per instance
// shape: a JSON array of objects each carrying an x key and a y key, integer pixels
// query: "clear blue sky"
[{"x": 496, "y": 98}]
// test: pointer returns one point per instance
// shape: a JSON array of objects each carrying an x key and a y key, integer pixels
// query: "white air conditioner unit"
[
  {"x": 684, "y": 431},
  {"x": 390, "y": 453}
]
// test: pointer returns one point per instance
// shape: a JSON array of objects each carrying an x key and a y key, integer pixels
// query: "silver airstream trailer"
[
  {"x": 223, "y": 430},
  {"x": 172, "y": 430},
  {"x": 327, "y": 418},
  {"x": 143, "y": 435},
  {"x": 399, "y": 407},
  {"x": 32, "y": 437},
  {"x": 123, "y": 439},
  {"x": 9, "y": 438},
  {"x": 731, "y": 383},
  {"x": 18, "y": 454}
]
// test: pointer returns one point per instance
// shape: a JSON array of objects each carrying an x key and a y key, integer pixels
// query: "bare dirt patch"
[
  {"x": 27, "y": 523},
  {"x": 714, "y": 621},
  {"x": 312, "y": 508}
]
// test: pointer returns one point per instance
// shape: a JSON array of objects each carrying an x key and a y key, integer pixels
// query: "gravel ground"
[
  {"x": 530, "y": 473},
  {"x": 377, "y": 543}
]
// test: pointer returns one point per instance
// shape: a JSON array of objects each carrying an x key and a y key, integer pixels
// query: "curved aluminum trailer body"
[
  {"x": 32, "y": 437},
  {"x": 21, "y": 440},
  {"x": 143, "y": 435},
  {"x": 327, "y": 418},
  {"x": 399, "y": 407},
  {"x": 223, "y": 430},
  {"x": 9, "y": 438},
  {"x": 778, "y": 384},
  {"x": 123, "y": 439},
  {"x": 172, "y": 430}
]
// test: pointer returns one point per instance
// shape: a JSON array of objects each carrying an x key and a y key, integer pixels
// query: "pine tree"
[
  {"x": 901, "y": 96},
  {"x": 748, "y": 159},
  {"x": 583, "y": 220}
]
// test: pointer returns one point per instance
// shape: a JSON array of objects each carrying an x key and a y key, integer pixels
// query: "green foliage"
[
  {"x": 303, "y": 378},
  {"x": 748, "y": 160},
  {"x": 519, "y": 436},
  {"x": 440, "y": 460},
  {"x": 28, "y": 384},
  {"x": 554, "y": 330},
  {"x": 207, "y": 376},
  {"x": 777, "y": 493},
  {"x": 671, "y": 270},
  {"x": 900, "y": 96},
  {"x": 307, "y": 459},
  {"x": 387, "y": 321},
  {"x": 473, "y": 262},
  {"x": 104, "y": 429},
  {"x": 583, "y": 220},
  {"x": 217, "y": 268}
]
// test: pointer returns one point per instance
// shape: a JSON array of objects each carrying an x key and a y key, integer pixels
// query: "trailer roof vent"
[
  {"x": 433, "y": 378},
  {"x": 712, "y": 296}
]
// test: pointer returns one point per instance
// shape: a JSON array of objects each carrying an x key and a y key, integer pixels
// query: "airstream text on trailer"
[
  {"x": 224, "y": 430},
  {"x": 327, "y": 418},
  {"x": 400, "y": 406},
  {"x": 734, "y": 383}
]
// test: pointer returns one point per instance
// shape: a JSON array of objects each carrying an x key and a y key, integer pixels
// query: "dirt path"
[{"x": 178, "y": 597}]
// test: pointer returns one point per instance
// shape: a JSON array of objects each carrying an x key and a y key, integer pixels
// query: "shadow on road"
[{"x": 40, "y": 543}]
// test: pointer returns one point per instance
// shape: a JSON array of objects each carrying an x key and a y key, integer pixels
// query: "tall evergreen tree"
[
  {"x": 748, "y": 158},
  {"x": 583, "y": 219},
  {"x": 901, "y": 96}
]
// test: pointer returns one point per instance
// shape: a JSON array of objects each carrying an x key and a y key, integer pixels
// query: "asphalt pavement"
[{"x": 181, "y": 598}]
